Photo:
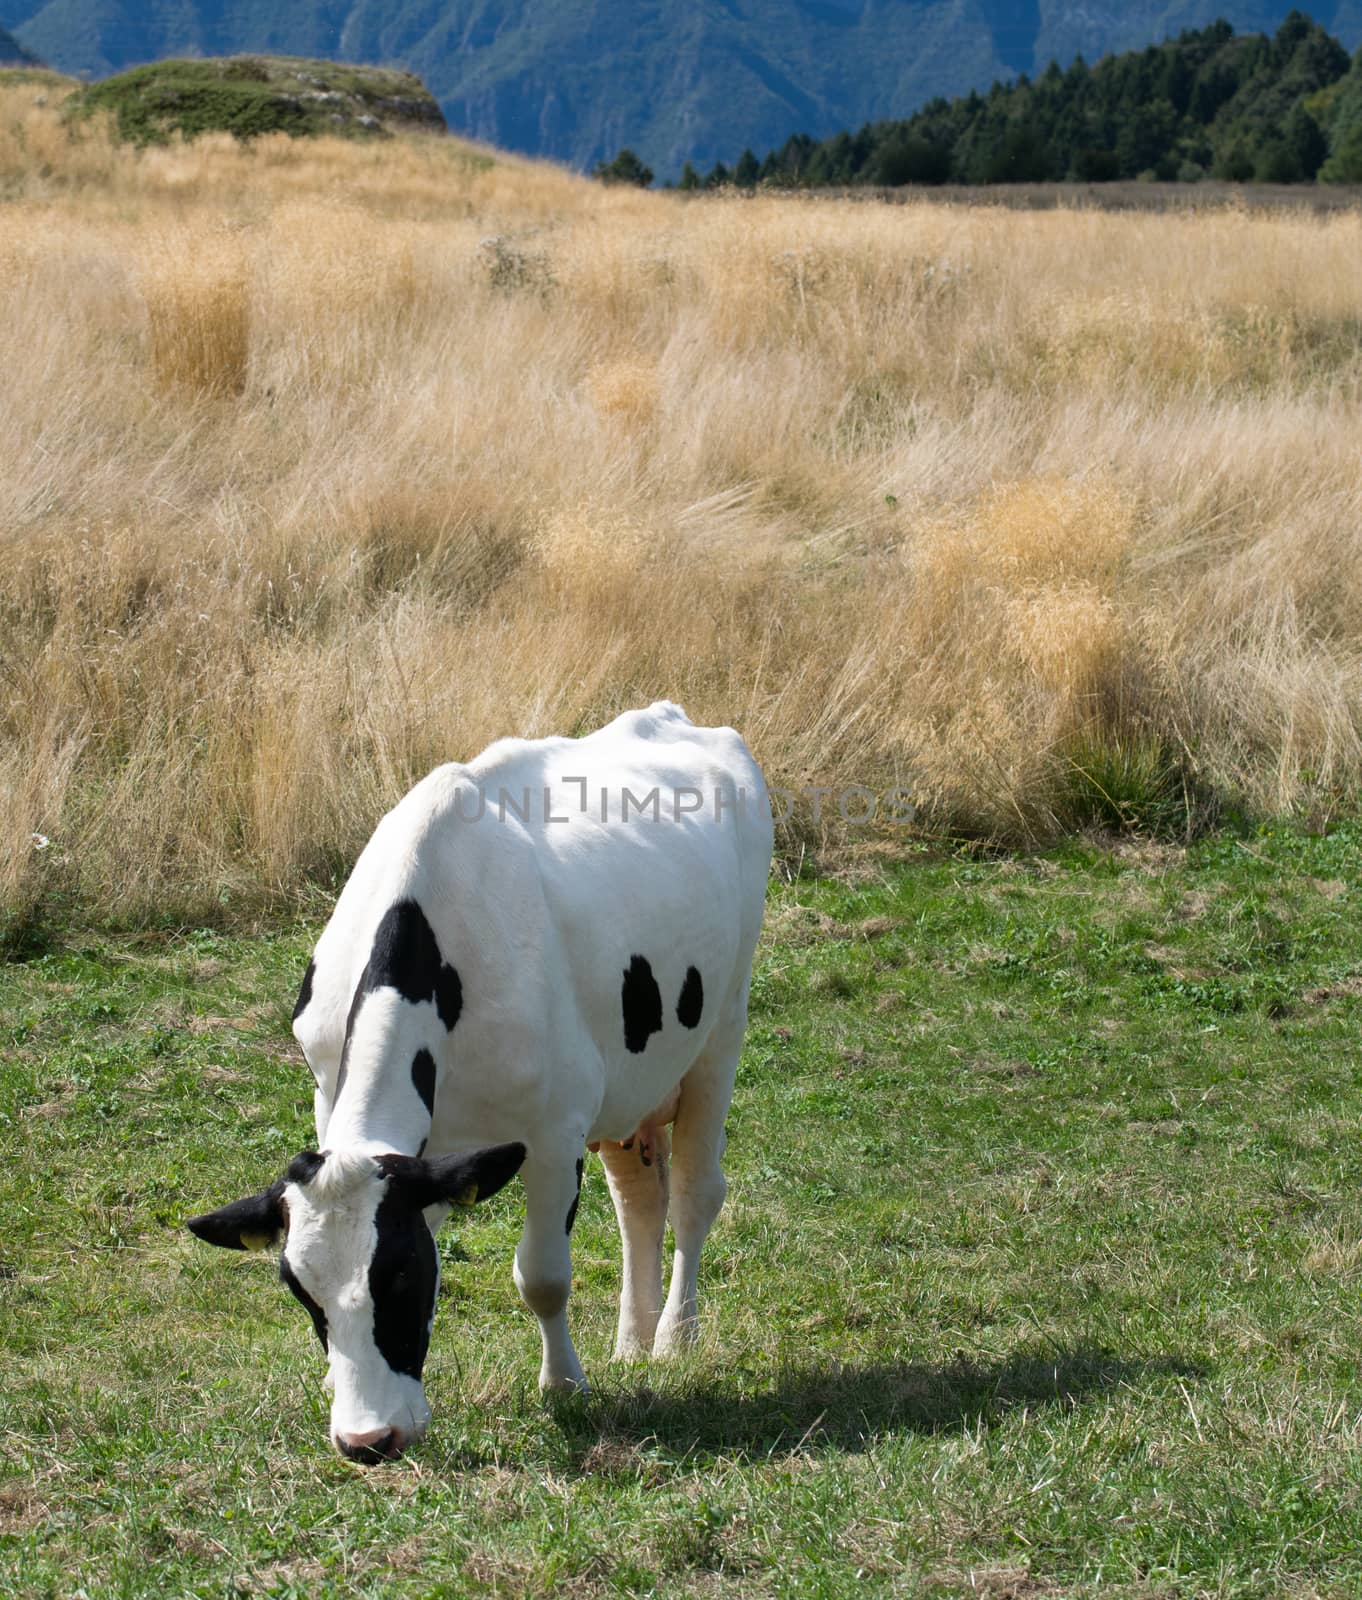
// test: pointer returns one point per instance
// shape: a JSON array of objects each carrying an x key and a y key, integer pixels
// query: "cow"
[{"x": 542, "y": 951}]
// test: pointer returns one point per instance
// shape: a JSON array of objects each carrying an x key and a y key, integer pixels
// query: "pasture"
[
  {"x": 1040, "y": 1272},
  {"x": 1042, "y": 1265}
]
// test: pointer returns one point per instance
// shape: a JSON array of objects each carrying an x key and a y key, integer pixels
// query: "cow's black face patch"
[
  {"x": 572, "y": 1209},
  {"x": 305, "y": 993},
  {"x": 402, "y": 1283},
  {"x": 423, "y": 1077},
  {"x": 404, "y": 956},
  {"x": 641, "y": 1002},
  {"x": 692, "y": 999},
  {"x": 313, "y": 1310}
]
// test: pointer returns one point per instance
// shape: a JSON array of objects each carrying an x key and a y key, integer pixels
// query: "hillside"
[
  {"x": 578, "y": 79},
  {"x": 250, "y": 95},
  {"x": 12, "y": 53},
  {"x": 1282, "y": 110}
]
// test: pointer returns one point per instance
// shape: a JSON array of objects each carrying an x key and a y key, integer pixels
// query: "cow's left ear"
[
  {"x": 255, "y": 1223},
  {"x": 464, "y": 1180}
]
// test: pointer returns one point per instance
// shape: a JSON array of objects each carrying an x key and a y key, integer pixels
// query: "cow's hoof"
[
  {"x": 555, "y": 1386},
  {"x": 634, "y": 1337},
  {"x": 676, "y": 1338}
]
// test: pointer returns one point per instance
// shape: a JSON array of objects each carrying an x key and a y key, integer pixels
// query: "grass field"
[{"x": 1041, "y": 1272}]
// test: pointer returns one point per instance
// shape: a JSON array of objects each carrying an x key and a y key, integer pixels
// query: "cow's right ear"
[
  {"x": 255, "y": 1223},
  {"x": 464, "y": 1180}
]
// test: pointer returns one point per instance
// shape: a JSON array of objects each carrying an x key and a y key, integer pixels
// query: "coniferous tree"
[
  {"x": 1342, "y": 109},
  {"x": 625, "y": 168}
]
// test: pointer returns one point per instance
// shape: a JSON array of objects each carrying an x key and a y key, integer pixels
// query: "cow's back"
[{"x": 595, "y": 949}]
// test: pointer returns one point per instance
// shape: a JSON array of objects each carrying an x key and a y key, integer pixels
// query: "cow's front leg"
[{"x": 543, "y": 1262}]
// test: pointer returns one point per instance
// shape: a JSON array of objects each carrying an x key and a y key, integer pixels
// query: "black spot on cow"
[
  {"x": 692, "y": 999},
  {"x": 641, "y": 1002},
  {"x": 423, "y": 1077},
  {"x": 313, "y": 1310},
  {"x": 404, "y": 956},
  {"x": 572, "y": 1209},
  {"x": 304, "y": 1167},
  {"x": 402, "y": 1279},
  {"x": 305, "y": 993}
]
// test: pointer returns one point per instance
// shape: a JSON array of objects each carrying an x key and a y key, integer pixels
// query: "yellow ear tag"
[
  {"x": 469, "y": 1195},
  {"x": 257, "y": 1241}
]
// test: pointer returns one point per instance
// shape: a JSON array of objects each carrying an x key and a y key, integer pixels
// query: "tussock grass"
[
  {"x": 326, "y": 462},
  {"x": 199, "y": 317}
]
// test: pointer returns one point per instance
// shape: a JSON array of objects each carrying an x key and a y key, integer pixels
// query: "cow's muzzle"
[{"x": 379, "y": 1444}]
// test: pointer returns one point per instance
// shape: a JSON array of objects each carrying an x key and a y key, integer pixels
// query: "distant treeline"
[{"x": 1209, "y": 103}]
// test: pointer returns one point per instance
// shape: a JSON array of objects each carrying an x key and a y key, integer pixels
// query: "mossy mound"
[{"x": 252, "y": 95}]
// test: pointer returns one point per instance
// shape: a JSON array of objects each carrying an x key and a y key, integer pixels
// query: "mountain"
[
  {"x": 576, "y": 79},
  {"x": 12, "y": 53}
]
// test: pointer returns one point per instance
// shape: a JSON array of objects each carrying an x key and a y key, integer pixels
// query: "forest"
[{"x": 1210, "y": 103}]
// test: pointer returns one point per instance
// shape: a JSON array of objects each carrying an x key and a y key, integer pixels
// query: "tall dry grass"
[{"x": 324, "y": 462}]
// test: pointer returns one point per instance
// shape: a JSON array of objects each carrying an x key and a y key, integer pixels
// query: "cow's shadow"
[{"x": 846, "y": 1407}]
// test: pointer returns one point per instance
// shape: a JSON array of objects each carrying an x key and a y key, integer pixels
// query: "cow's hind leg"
[
  {"x": 543, "y": 1261},
  {"x": 698, "y": 1185},
  {"x": 639, "y": 1191}
]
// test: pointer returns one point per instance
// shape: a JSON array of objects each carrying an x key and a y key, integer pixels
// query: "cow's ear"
[
  {"x": 464, "y": 1180},
  {"x": 255, "y": 1223}
]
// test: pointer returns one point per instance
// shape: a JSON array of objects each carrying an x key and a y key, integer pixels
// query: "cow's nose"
[{"x": 379, "y": 1444}]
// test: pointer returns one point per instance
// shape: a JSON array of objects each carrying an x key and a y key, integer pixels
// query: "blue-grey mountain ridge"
[{"x": 577, "y": 79}]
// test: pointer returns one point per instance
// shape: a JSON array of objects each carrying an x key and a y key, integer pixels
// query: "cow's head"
[{"x": 359, "y": 1252}]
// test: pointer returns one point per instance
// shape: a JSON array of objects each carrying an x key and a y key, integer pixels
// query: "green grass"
[
  {"x": 1041, "y": 1272},
  {"x": 253, "y": 95}
]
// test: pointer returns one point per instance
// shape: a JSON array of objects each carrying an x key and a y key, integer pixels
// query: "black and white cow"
[{"x": 544, "y": 950}]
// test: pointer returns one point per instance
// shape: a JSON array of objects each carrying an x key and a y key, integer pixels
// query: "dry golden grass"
[
  {"x": 198, "y": 302},
  {"x": 325, "y": 462}
]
